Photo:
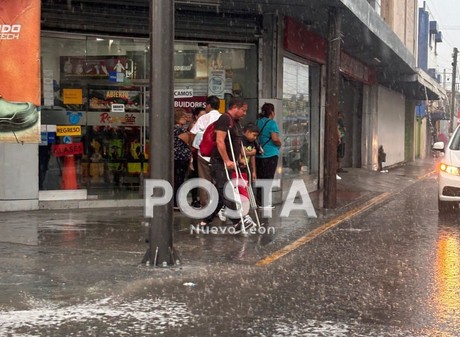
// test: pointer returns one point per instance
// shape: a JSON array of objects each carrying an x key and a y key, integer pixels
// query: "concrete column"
[{"x": 19, "y": 177}]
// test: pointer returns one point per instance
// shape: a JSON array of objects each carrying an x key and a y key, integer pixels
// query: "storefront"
[
  {"x": 303, "y": 62},
  {"x": 95, "y": 113},
  {"x": 301, "y": 120}
]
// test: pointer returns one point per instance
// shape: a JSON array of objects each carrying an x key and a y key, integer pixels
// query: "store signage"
[
  {"x": 217, "y": 83},
  {"x": 20, "y": 70},
  {"x": 356, "y": 69},
  {"x": 116, "y": 107},
  {"x": 190, "y": 103},
  {"x": 183, "y": 93},
  {"x": 72, "y": 96},
  {"x": 60, "y": 150},
  {"x": 106, "y": 118},
  {"x": 74, "y": 117},
  {"x": 67, "y": 140},
  {"x": 74, "y": 130}
]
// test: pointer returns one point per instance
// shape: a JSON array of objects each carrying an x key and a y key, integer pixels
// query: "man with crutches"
[{"x": 224, "y": 161}]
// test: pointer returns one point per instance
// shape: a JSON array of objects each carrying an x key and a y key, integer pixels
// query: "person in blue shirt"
[{"x": 270, "y": 143}]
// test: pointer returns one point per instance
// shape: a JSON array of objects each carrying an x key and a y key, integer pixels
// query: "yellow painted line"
[
  {"x": 320, "y": 230},
  {"x": 426, "y": 175}
]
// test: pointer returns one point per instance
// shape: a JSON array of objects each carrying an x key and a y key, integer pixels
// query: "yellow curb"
[{"x": 320, "y": 230}]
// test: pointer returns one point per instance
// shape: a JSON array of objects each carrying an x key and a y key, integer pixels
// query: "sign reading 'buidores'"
[{"x": 20, "y": 57}]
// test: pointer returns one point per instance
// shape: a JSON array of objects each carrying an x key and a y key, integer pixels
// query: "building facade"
[{"x": 95, "y": 75}]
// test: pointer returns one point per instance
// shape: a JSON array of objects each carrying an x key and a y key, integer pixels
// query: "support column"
[{"x": 160, "y": 252}]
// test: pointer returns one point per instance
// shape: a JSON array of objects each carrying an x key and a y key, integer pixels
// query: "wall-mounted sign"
[
  {"x": 60, "y": 150},
  {"x": 65, "y": 130}
]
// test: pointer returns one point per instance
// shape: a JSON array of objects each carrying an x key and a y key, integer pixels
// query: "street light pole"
[
  {"x": 453, "y": 98},
  {"x": 160, "y": 251},
  {"x": 332, "y": 103}
]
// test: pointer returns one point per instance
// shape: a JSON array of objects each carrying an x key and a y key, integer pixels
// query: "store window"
[
  {"x": 94, "y": 106},
  {"x": 296, "y": 117}
]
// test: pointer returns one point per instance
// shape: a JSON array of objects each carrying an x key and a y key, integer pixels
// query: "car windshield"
[{"x": 455, "y": 144}]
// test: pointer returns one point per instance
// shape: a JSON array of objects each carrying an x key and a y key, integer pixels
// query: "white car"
[{"x": 449, "y": 173}]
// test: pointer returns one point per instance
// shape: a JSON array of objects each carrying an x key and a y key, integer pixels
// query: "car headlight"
[{"x": 454, "y": 170}]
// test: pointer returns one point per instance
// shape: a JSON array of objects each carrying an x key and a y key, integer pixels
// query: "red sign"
[
  {"x": 303, "y": 42},
  {"x": 311, "y": 46},
  {"x": 356, "y": 69},
  {"x": 60, "y": 150}
]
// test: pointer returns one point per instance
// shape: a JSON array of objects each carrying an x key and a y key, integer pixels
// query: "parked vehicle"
[{"x": 449, "y": 173}]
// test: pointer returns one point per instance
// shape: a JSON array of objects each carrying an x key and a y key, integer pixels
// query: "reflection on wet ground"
[
  {"x": 393, "y": 271},
  {"x": 446, "y": 296}
]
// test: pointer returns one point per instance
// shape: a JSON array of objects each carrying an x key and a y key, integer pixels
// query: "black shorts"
[{"x": 341, "y": 150}]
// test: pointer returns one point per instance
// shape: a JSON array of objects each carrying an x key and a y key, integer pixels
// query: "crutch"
[
  {"x": 236, "y": 193},
  {"x": 252, "y": 197}
]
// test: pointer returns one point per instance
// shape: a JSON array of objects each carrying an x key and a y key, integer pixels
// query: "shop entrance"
[{"x": 300, "y": 122}]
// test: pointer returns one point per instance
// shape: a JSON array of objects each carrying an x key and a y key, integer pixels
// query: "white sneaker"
[
  {"x": 221, "y": 214},
  {"x": 248, "y": 222},
  {"x": 338, "y": 177},
  {"x": 266, "y": 207}
]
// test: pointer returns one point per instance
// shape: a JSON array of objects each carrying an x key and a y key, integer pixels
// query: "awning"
[{"x": 420, "y": 86}]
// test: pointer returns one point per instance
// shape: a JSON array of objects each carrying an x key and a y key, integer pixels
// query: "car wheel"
[{"x": 447, "y": 206}]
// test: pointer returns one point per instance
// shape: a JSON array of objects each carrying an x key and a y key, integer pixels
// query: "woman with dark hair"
[
  {"x": 182, "y": 152},
  {"x": 270, "y": 143}
]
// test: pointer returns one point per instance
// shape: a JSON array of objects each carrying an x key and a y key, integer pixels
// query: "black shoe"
[
  {"x": 195, "y": 204},
  {"x": 341, "y": 170},
  {"x": 16, "y": 116}
]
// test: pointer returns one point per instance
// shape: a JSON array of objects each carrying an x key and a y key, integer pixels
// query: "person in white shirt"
[{"x": 204, "y": 166}]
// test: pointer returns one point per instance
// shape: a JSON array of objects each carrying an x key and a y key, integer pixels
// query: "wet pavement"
[{"x": 393, "y": 270}]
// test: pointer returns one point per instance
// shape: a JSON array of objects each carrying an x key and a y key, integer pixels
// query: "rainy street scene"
[
  {"x": 386, "y": 263},
  {"x": 274, "y": 168}
]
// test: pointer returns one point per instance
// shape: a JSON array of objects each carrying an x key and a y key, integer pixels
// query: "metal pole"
[
  {"x": 332, "y": 103},
  {"x": 160, "y": 252},
  {"x": 452, "y": 106}
]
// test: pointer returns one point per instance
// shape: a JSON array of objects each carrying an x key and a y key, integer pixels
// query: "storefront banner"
[
  {"x": 60, "y": 150},
  {"x": 20, "y": 71},
  {"x": 189, "y": 104},
  {"x": 68, "y": 130},
  {"x": 116, "y": 118}
]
